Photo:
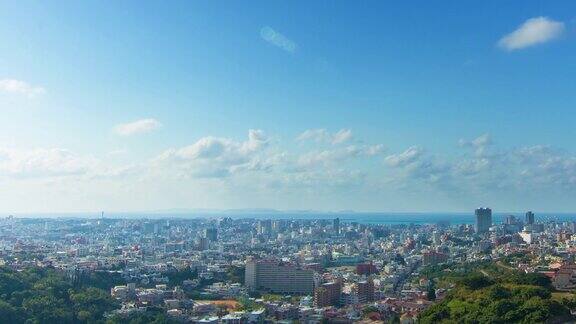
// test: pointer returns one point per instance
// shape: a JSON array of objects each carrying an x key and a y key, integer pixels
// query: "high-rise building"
[
  {"x": 277, "y": 277},
  {"x": 336, "y": 225},
  {"x": 365, "y": 290},
  {"x": 327, "y": 294},
  {"x": 530, "y": 218},
  {"x": 265, "y": 227},
  {"x": 203, "y": 243},
  {"x": 211, "y": 234},
  {"x": 436, "y": 238},
  {"x": 511, "y": 220},
  {"x": 483, "y": 220},
  {"x": 278, "y": 226}
]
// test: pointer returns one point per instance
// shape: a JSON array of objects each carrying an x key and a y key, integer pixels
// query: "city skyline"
[
  {"x": 233, "y": 162},
  {"x": 128, "y": 107},
  {"x": 225, "y": 270}
]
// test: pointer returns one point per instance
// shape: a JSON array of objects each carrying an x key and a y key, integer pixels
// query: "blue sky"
[{"x": 371, "y": 106}]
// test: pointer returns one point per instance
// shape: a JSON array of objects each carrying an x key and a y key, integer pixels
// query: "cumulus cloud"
[
  {"x": 472, "y": 167},
  {"x": 256, "y": 140},
  {"x": 327, "y": 157},
  {"x": 544, "y": 166},
  {"x": 322, "y": 135},
  {"x": 275, "y": 38},
  {"x": 213, "y": 156},
  {"x": 532, "y": 32},
  {"x": 480, "y": 144},
  {"x": 414, "y": 165},
  {"x": 258, "y": 162},
  {"x": 480, "y": 168},
  {"x": 21, "y": 87},
  {"x": 137, "y": 127},
  {"x": 53, "y": 162},
  {"x": 404, "y": 158},
  {"x": 484, "y": 169}
]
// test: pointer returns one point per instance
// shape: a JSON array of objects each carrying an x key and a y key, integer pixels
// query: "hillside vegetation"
[{"x": 487, "y": 293}]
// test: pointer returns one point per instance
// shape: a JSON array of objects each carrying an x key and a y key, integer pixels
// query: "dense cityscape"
[
  {"x": 254, "y": 270},
  {"x": 294, "y": 162}
]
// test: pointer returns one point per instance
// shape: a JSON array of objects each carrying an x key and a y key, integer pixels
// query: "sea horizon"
[{"x": 452, "y": 218}]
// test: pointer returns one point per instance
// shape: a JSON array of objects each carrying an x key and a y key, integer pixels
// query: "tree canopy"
[
  {"x": 40, "y": 295},
  {"x": 492, "y": 295}
]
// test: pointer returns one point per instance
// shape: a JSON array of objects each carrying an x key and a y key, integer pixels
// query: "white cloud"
[
  {"x": 342, "y": 136},
  {"x": 256, "y": 140},
  {"x": 322, "y": 135},
  {"x": 543, "y": 166},
  {"x": 472, "y": 167},
  {"x": 137, "y": 127},
  {"x": 256, "y": 161},
  {"x": 260, "y": 168},
  {"x": 21, "y": 87},
  {"x": 43, "y": 163},
  {"x": 414, "y": 165},
  {"x": 487, "y": 171},
  {"x": 313, "y": 134},
  {"x": 275, "y": 38},
  {"x": 213, "y": 156},
  {"x": 481, "y": 144},
  {"x": 404, "y": 158},
  {"x": 532, "y": 32},
  {"x": 332, "y": 157}
]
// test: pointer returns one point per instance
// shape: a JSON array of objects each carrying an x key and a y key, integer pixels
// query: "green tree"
[
  {"x": 91, "y": 304},
  {"x": 9, "y": 313},
  {"x": 504, "y": 299},
  {"x": 431, "y": 294},
  {"x": 48, "y": 309}
]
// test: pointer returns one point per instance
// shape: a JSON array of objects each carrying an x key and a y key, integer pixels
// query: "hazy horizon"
[{"x": 199, "y": 213}]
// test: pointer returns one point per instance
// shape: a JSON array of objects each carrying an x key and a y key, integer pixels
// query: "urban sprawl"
[{"x": 253, "y": 270}]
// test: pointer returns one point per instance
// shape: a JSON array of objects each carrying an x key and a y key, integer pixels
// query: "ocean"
[{"x": 363, "y": 218}]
